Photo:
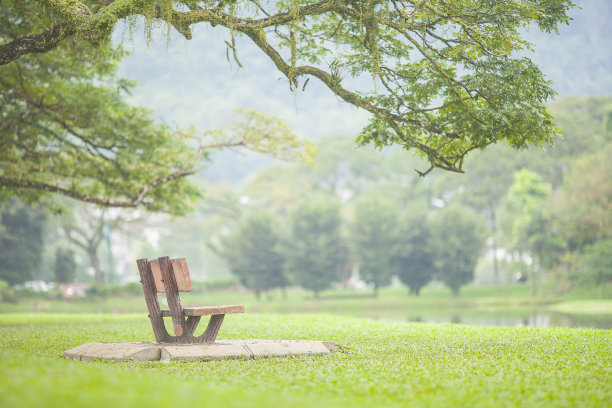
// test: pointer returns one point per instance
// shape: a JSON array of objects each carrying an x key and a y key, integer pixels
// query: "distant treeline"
[
  {"x": 546, "y": 212},
  {"x": 543, "y": 212}
]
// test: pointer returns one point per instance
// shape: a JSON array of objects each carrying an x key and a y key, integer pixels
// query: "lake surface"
[{"x": 535, "y": 318}]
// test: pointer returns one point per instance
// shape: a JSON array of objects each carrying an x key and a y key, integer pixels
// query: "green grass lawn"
[{"x": 381, "y": 364}]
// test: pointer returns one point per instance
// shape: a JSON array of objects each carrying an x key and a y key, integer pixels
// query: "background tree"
[
  {"x": 458, "y": 241},
  {"x": 21, "y": 242},
  {"x": 315, "y": 250},
  {"x": 489, "y": 176},
  {"x": 64, "y": 268},
  {"x": 373, "y": 234},
  {"x": 463, "y": 87},
  {"x": 597, "y": 264},
  {"x": 583, "y": 205},
  {"x": 526, "y": 223},
  {"x": 414, "y": 257},
  {"x": 87, "y": 228},
  {"x": 580, "y": 213},
  {"x": 253, "y": 253}
]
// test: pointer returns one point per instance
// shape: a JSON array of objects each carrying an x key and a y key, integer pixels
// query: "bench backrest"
[{"x": 181, "y": 273}]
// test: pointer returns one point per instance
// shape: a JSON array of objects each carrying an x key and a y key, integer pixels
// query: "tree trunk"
[
  {"x": 599, "y": 291},
  {"x": 95, "y": 263},
  {"x": 533, "y": 282},
  {"x": 494, "y": 231},
  {"x": 345, "y": 272}
]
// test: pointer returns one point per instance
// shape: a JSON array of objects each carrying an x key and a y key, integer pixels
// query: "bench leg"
[
  {"x": 190, "y": 325},
  {"x": 214, "y": 324},
  {"x": 208, "y": 337}
]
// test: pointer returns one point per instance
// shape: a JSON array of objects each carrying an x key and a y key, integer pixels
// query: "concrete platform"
[{"x": 220, "y": 350}]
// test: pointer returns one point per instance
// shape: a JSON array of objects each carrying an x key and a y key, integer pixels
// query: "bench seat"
[{"x": 208, "y": 310}]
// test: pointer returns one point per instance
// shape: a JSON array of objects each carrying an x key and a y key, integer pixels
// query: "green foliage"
[
  {"x": 315, "y": 250},
  {"x": 64, "y": 268},
  {"x": 7, "y": 294},
  {"x": 522, "y": 208},
  {"x": 458, "y": 242},
  {"x": 583, "y": 206},
  {"x": 449, "y": 77},
  {"x": 585, "y": 132},
  {"x": 527, "y": 224},
  {"x": 415, "y": 255},
  {"x": 67, "y": 128},
  {"x": 373, "y": 234},
  {"x": 253, "y": 253},
  {"x": 581, "y": 213},
  {"x": 265, "y": 134},
  {"x": 21, "y": 242},
  {"x": 598, "y": 262}
]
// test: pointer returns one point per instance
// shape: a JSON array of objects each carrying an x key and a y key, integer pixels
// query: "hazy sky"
[{"x": 192, "y": 83}]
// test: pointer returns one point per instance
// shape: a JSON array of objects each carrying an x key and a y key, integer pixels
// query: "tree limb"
[{"x": 35, "y": 43}]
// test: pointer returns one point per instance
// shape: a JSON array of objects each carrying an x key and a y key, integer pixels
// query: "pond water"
[{"x": 534, "y": 318}]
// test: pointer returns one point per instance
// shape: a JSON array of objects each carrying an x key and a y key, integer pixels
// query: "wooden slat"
[
  {"x": 181, "y": 274},
  {"x": 172, "y": 294},
  {"x": 208, "y": 310},
  {"x": 148, "y": 286}
]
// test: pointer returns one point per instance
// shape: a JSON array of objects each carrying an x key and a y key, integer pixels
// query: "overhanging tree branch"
[
  {"x": 35, "y": 43},
  {"x": 451, "y": 78}
]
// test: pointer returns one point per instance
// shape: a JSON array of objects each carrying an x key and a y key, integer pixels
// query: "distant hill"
[{"x": 579, "y": 60}]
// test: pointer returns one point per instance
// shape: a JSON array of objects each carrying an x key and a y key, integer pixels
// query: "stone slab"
[
  {"x": 203, "y": 352},
  {"x": 280, "y": 348},
  {"x": 220, "y": 350},
  {"x": 115, "y": 351}
]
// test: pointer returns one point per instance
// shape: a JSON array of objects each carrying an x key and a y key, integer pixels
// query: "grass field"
[
  {"x": 477, "y": 305},
  {"x": 381, "y": 364},
  {"x": 390, "y": 302}
]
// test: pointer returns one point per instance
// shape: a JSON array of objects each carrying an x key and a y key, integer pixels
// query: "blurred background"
[{"x": 522, "y": 238}]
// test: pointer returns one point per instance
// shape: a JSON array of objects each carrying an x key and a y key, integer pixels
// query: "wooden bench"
[{"x": 164, "y": 275}]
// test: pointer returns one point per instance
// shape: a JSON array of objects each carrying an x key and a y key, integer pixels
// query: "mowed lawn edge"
[{"x": 381, "y": 363}]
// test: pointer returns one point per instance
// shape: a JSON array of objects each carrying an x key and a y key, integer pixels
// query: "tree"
[
  {"x": 253, "y": 253},
  {"x": 66, "y": 128},
  {"x": 526, "y": 222},
  {"x": 489, "y": 176},
  {"x": 581, "y": 211},
  {"x": 64, "y": 268},
  {"x": 457, "y": 241},
  {"x": 583, "y": 205},
  {"x": 316, "y": 250},
  {"x": 598, "y": 263},
  {"x": 86, "y": 228},
  {"x": 21, "y": 242},
  {"x": 413, "y": 261},
  {"x": 374, "y": 233},
  {"x": 448, "y": 76}
]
